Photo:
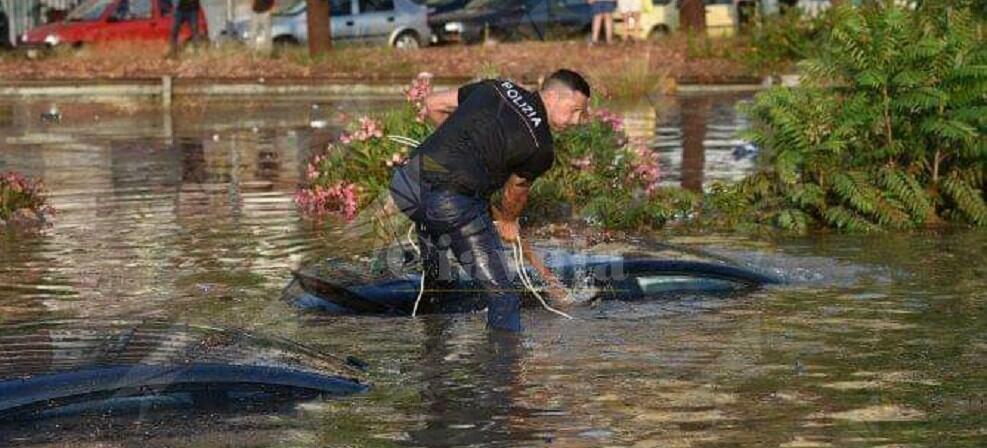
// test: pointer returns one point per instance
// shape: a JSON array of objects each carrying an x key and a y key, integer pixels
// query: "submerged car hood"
[{"x": 51, "y": 365}]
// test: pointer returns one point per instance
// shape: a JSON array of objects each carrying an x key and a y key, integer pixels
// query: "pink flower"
[
  {"x": 342, "y": 199},
  {"x": 647, "y": 168},
  {"x": 420, "y": 88},
  {"x": 584, "y": 163},
  {"x": 369, "y": 128},
  {"x": 614, "y": 120}
]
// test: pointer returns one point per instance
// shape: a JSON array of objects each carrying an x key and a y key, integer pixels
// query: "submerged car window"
[
  {"x": 133, "y": 10},
  {"x": 376, "y": 5},
  {"x": 89, "y": 11}
]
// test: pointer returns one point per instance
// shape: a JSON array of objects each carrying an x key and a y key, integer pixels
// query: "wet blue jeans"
[{"x": 451, "y": 220}]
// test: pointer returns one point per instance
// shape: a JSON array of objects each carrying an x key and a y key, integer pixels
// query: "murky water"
[{"x": 878, "y": 341}]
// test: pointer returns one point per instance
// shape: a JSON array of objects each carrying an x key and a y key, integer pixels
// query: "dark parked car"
[
  {"x": 508, "y": 20},
  {"x": 444, "y": 6},
  {"x": 4, "y": 29}
]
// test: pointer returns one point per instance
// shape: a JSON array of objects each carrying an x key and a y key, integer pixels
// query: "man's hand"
[{"x": 557, "y": 293}]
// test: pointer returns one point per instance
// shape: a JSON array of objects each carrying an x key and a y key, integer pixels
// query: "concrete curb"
[{"x": 168, "y": 88}]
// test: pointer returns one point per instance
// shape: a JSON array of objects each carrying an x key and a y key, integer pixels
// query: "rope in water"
[{"x": 516, "y": 246}]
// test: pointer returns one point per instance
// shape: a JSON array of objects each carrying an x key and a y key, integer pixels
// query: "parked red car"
[{"x": 111, "y": 20}]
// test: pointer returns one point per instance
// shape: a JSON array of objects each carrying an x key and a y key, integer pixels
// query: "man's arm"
[
  {"x": 515, "y": 197},
  {"x": 511, "y": 206},
  {"x": 438, "y": 106}
]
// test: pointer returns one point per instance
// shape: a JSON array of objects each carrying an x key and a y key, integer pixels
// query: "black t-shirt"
[{"x": 497, "y": 130}]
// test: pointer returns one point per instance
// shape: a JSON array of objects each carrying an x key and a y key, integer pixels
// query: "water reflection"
[
  {"x": 471, "y": 400},
  {"x": 696, "y": 135},
  {"x": 191, "y": 219}
]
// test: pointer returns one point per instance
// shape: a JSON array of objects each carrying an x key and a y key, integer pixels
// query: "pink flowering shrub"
[
  {"x": 599, "y": 178},
  {"x": 350, "y": 173},
  {"x": 22, "y": 200},
  {"x": 368, "y": 129},
  {"x": 647, "y": 169},
  {"x": 341, "y": 198},
  {"x": 416, "y": 93},
  {"x": 615, "y": 121},
  {"x": 596, "y": 176}
]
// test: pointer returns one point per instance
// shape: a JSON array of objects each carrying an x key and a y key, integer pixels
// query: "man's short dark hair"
[{"x": 570, "y": 79}]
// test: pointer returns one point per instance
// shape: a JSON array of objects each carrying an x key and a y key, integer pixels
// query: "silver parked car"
[{"x": 397, "y": 23}]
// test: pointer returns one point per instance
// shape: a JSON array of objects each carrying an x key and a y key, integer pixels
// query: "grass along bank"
[{"x": 616, "y": 70}]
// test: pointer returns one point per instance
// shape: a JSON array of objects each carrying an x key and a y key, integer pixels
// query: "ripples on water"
[{"x": 188, "y": 217}]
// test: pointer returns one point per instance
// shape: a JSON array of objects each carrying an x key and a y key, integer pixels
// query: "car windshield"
[
  {"x": 88, "y": 11},
  {"x": 492, "y": 4},
  {"x": 289, "y": 7}
]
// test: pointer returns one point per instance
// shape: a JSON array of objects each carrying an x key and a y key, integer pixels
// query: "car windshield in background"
[
  {"x": 89, "y": 11},
  {"x": 290, "y": 7},
  {"x": 492, "y": 4},
  {"x": 435, "y": 3}
]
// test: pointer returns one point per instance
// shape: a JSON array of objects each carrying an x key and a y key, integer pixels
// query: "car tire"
[
  {"x": 658, "y": 33},
  {"x": 407, "y": 40},
  {"x": 282, "y": 42}
]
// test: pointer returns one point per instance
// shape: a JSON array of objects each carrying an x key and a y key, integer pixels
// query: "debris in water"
[{"x": 52, "y": 115}]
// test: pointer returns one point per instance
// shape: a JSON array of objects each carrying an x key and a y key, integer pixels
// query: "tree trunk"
[
  {"x": 692, "y": 15},
  {"x": 695, "y": 111},
  {"x": 319, "y": 36}
]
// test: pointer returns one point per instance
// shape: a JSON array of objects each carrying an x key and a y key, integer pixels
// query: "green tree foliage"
[
  {"x": 886, "y": 131},
  {"x": 775, "y": 41}
]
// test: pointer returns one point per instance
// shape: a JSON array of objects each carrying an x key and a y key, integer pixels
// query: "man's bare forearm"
[
  {"x": 515, "y": 197},
  {"x": 438, "y": 106}
]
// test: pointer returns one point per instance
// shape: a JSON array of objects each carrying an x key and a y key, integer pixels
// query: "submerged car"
[
  {"x": 395, "y": 23},
  {"x": 507, "y": 20},
  {"x": 109, "y": 21},
  {"x": 387, "y": 281}
]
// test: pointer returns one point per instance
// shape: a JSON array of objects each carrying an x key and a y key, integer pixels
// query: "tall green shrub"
[{"x": 886, "y": 131}]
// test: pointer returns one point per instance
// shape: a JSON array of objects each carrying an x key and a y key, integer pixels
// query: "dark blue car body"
[{"x": 508, "y": 20}]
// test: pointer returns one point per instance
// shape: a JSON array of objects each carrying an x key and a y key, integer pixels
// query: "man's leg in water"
[
  {"x": 435, "y": 263},
  {"x": 477, "y": 247},
  {"x": 476, "y": 244}
]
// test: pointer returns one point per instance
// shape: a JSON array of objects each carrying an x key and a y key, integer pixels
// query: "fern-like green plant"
[{"x": 887, "y": 129}]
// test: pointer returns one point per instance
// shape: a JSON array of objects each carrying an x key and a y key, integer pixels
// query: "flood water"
[{"x": 188, "y": 217}]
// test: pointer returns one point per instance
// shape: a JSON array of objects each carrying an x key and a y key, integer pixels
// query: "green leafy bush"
[
  {"x": 777, "y": 41},
  {"x": 887, "y": 130}
]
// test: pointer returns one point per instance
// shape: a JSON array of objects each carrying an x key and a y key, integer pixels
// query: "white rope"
[
  {"x": 421, "y": 286},
  {"x": 519, "y": 261},
  {"x": 407, "y": 141},
  {"x": 412, "y": 143}
]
